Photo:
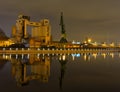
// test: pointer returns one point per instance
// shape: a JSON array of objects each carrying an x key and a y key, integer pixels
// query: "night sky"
[{"x": 98, "y": 19}]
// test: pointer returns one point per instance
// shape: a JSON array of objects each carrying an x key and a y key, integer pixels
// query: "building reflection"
[
  {"x": 35, "y": 69},
  {"x": 25, "y": 68}
]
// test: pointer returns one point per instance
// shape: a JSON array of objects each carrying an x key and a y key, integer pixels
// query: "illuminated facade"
[
  {"x": 40, "y": 31},
  {"x": 6, "y": 42}
]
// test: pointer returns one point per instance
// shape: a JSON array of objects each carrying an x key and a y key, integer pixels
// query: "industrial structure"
[
  {"x": 31, "y": 34},
  {"x": 40, "y": 32},
  {"x": 63, "y": 32}
]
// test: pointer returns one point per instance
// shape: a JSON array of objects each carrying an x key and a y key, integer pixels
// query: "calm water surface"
[{"x": 89, "y": 72}]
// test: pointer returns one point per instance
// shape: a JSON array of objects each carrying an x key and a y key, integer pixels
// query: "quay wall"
[{"x": 62, "y": 51}]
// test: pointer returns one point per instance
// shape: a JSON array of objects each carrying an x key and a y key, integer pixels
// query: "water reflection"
[
  {"x": 88, "y": 56},
  {"x": 2, "y": 62},
  {"x": 63, "y": 62},
  {"x": 37, "y": 67},
  {"x": 33, "y": 69},
  {"x": 28, "y": 67}
]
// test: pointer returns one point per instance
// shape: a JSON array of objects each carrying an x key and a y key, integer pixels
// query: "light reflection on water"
[{"x": 60, "y": 72}]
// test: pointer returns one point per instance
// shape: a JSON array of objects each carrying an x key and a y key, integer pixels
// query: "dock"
[{"x": 56, "y": 51}]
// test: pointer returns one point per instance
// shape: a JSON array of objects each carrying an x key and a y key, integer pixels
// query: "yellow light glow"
[{"x": 89, "y": 40}]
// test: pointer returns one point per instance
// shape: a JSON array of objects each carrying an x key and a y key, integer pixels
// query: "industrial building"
[{"x": 40, "y": 32}]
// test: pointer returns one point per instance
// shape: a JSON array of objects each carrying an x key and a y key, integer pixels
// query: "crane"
[{"x": 63, "y": 32}]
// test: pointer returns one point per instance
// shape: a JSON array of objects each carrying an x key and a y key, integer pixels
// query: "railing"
[{"x": 53, "y": 50}]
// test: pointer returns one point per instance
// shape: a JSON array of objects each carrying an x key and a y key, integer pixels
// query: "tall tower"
[{"x": 63, "y": 32}]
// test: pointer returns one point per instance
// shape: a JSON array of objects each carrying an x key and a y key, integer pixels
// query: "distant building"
[{"x": 5, "y": 42}]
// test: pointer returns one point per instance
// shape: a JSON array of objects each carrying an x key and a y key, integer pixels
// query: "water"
[{"x": 88, "y": 72}]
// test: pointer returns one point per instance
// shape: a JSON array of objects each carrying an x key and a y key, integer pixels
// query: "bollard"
[
  {"x": 10, "y": 49},
  {"x": 22, "y": 49},
  {"x": 3, "y": 48}
]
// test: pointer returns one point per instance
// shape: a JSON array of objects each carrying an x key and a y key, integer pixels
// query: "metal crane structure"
[
  {"x": 40, "y": 31},
  {"x": 63, "y": 32}
]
